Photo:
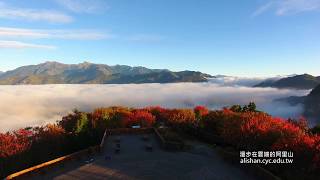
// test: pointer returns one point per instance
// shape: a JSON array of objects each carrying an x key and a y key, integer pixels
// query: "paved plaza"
[{"x": 134, "y": 161}]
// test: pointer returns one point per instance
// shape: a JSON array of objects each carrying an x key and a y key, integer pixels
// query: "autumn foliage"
[
  {"x": 142, "y": 118},
  {"x": 243, "y": 128}
]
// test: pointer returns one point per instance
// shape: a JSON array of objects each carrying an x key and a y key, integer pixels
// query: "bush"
[
  {"x": 15, "y": 142},
  {"x": 183, "y": 119},
  {"x": 254, "y": 131},
  {"x": 144, "y": 118}
]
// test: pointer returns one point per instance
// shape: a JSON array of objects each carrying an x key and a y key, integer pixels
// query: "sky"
[{"x": 239, "y": 38}]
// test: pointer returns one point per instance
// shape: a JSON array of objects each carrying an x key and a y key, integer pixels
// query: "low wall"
[
  {"x": 41, "y": 168},
  {"x": 131, "y": 131},
  {"x": 210, "y": 138}
]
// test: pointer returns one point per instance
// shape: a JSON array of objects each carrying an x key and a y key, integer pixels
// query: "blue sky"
[{"x": 243, "y": 38}]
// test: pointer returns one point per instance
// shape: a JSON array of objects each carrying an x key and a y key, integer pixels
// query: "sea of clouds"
[
  {"x": 241, "y": 81},
  {"x": 29, "y": 105}
]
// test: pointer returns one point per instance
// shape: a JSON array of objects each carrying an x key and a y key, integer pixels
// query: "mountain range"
[
  {"x": 304, "y": 81},
  {"x": 88, "y": 73},
  {"x": 52, "y": 72}
]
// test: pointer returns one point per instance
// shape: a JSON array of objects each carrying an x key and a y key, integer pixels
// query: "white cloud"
[
  {"x": 51, "y": 16},
  {"x": 26, "y": 105},
  {"x": 9, "y": 33},
  {"x": 84, "y": 6},
  {"x": 6, "y": 32},
  {"x": 22, "y": 45},
  {"x": 287, "y": 7},
  {"x": 241, "y": 81},
  {"x": 263, "y": 9}
]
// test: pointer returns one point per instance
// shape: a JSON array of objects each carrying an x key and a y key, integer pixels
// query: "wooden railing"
[
  {"x": 105, "y": 136},
  {"x": 56, "y": 162}
]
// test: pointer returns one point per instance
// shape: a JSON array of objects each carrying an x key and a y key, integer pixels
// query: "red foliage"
[
  {"x": 302, "y": 123},
  {"x": 259, "y": 131},
  {"x": 146, "y": 119},
  {"x": 15, "y": 143},
  {"x": 158, "y": 112},
  {"x": 139, "y": 117}
]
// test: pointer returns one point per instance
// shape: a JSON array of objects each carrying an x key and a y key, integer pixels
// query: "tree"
[
  {"x": 143, "y": 118},
  {"x": 316, "y": 129},
  {"x": 82, "y": 124},
  {"x": 200, "y": 111},
  {"x": 236, "y": 108},
  {"x": 252, "y": 107},
  {"x": 69, "y": 122}
]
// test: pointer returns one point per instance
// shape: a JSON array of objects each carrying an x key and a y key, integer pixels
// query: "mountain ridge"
[
  {"x": 52, "y": 72},
  {"x": 310, "y": 102},
  {"x": 304, "y": 81}
]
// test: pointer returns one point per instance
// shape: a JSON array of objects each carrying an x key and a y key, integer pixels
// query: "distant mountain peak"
[
  {"x": 51, "y": 62},
  {"x": 85, "y": 63}
]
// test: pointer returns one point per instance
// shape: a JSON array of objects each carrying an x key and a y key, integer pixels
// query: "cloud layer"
[
  {"x": 84, "y": 6},
  {"x": 240, "y": 81},
  {"x": 7, "y": 34},
  {"x": 22, "y": 106}
]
